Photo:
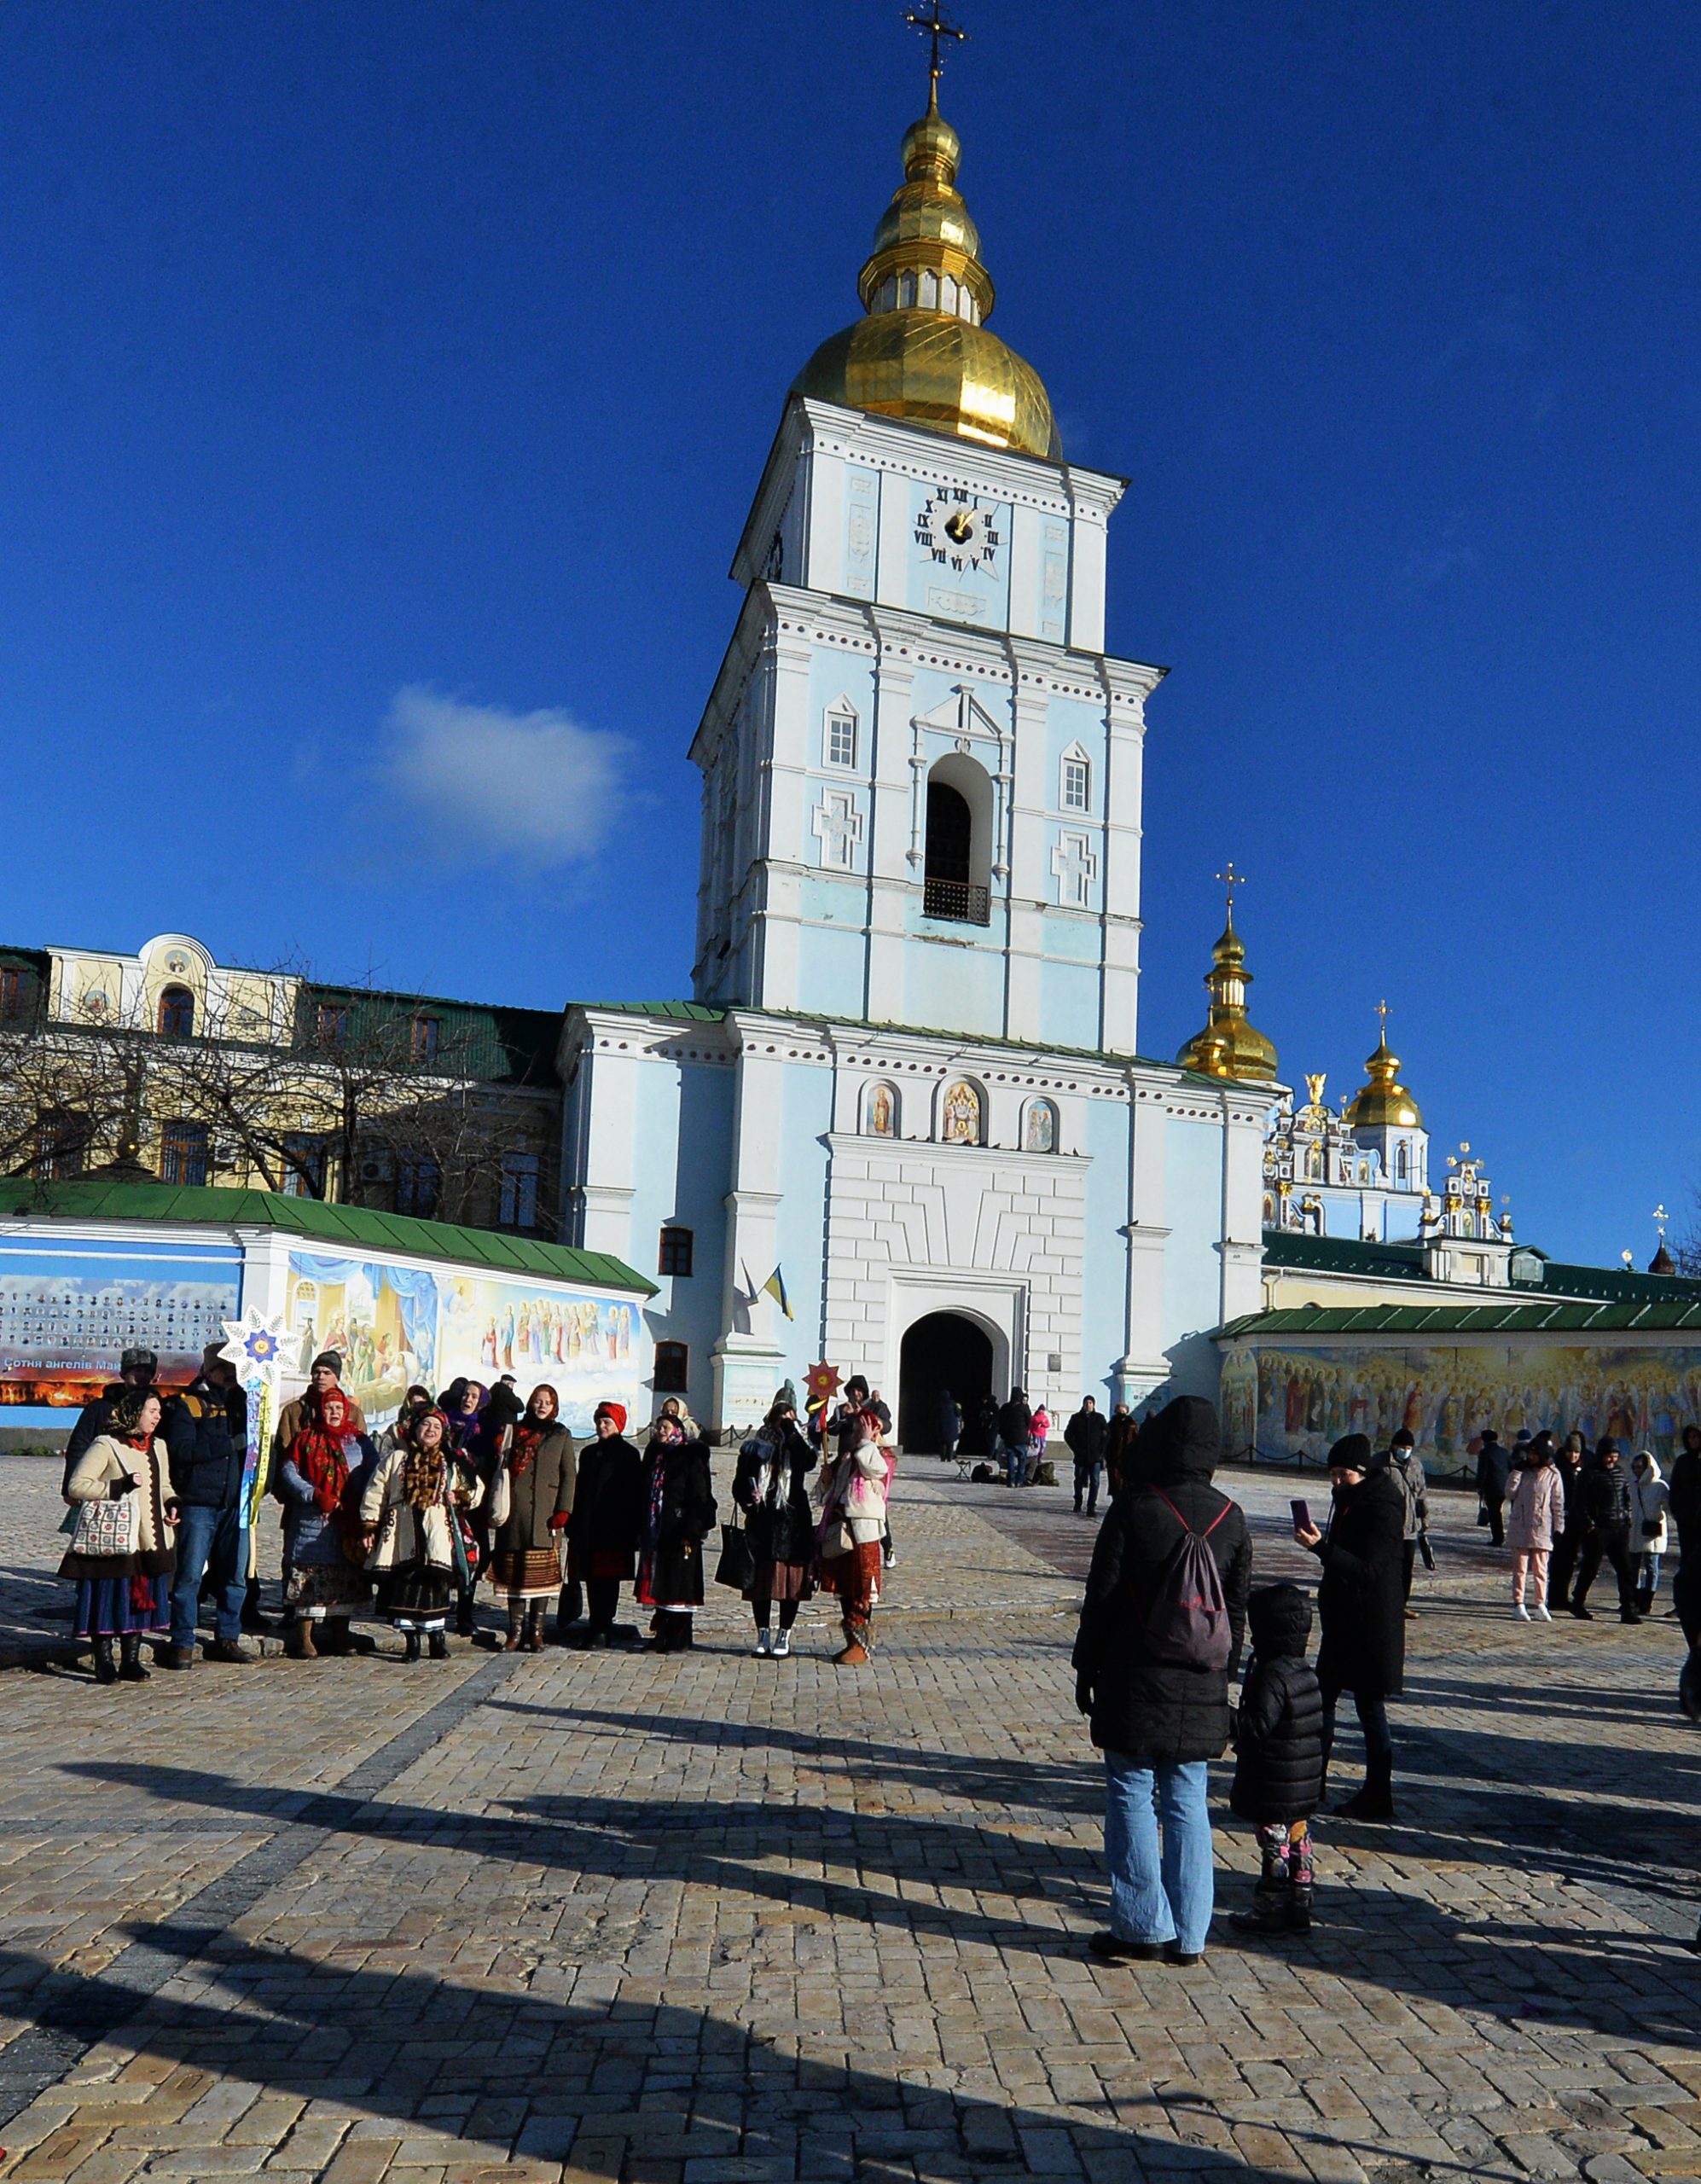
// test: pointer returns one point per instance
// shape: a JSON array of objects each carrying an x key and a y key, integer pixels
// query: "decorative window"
[
  {"x": 62, "y": 1138},
  {"x": 419, "y": 1185},
  {"x": 879, "y": 1111},
  {"x": 428, "y": 1036},
  {"x": 1403, "y": 1163},
  {"x": 1039, "y": 1127},
  {"x": 838, "y": 827},
  {"x": 330, "y": 1025},
  {"x": 677, "y": 1247},
  {"x": 303, "y": 1155},
  {"x": 517, "y": 1206},
  {"x": 1076, "y": 790},
  {"x": 177, "y": 1013},
  {"x": 184, "y": 1153},
  {"x": 1314, "y": 1165},
  {"x": 962, "y": 1115},
  {"x": 11, "y": 993},
  {"x": 673, "y": 1368},
  {"x": 841, "y": 736},
  {"x": 1076, "y": 867}
]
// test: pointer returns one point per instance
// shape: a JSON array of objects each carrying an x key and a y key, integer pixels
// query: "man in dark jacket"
[
  {"x": 137, "y": 1368},
  {"x": 1494, "y": 1469},
  {"x": 1159, "y": 1720},
  {"x": 1085, "y": 1435},
  {"x": 1015, "y": 1422},
  {"x": 1361, "y": 1608},
  {"x": 1606, "y": 1504},
  {"x": 206, "y": 1432},
  {"x": 1563, "y": 1566},
  {"x": 1685, "y": 1484}
]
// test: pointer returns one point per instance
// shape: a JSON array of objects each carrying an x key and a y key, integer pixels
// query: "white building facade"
[{"x": 909, "y": 1079}]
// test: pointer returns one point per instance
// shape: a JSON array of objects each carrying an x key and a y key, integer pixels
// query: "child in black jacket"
[{"x": 1278, "y": 1764}]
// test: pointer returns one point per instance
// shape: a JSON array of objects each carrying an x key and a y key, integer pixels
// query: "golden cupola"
[
  {"x": 1384, "y": 1103},
  {"x": 921, "y": 351},
  {"x": 1230, "y": 1045}
]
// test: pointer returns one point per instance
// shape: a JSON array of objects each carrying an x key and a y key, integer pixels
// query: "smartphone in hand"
[{"x": 1301, "y": 1517}]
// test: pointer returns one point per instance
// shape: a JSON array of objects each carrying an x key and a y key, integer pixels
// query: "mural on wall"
[
  {"x": 66, "y": 1318},
  {"x": 1444, "y": 1397},
  {"x": 395, "y": 1325}
]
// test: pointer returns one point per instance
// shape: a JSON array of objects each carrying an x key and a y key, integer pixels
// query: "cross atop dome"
[{"x": 934, "y": 27}]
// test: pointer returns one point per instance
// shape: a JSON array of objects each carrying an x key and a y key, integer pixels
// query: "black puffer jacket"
[
  {"x": 1576, "y": 1524},
  {"x": 1606, "y": 1497},
  {"x": 206, "y": 1432},
  {"x": 1361, "y": 1599},
  {"x": 1160, "y": 1712},
  {"x": 608, "y": 1503},
  {"x": 1279, "y": 1724},
  {"x": 1685, "y": 1481}
]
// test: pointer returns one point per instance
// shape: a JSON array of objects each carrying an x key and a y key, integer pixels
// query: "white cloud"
[{"x": 537, "y": 786}]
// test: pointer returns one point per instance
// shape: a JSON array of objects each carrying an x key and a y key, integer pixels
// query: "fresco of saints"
[{"x": 962, "y": 1115}]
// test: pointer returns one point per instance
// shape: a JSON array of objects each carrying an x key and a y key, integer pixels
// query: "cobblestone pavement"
[{"x": 707, "y": 1920}]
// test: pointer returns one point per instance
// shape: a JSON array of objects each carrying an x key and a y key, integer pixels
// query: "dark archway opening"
[
  {"x": 943, "y": 1352},
  {"x": 950, "y": 835}
]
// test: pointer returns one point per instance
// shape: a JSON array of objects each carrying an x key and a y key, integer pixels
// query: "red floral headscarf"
[{"x": 320, "y": 1450}]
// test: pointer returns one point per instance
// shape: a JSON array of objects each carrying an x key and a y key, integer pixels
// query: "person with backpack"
[
  {"x": 1279, "y": 1758},
  {"x": 1358, "y": 1605},
  {"x": 1161, "y": 1630},
  {"x": 206, "y": 1432}
]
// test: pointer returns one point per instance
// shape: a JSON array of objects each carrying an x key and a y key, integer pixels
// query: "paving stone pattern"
[{"x": 708, "y": 1919}]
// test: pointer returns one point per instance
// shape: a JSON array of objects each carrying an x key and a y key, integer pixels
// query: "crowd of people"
[
  {"x": 474, "y": 1487},
  {"x": 1169, "y": 1606}
]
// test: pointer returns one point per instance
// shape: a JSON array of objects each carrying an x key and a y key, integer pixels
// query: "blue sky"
[{"x": 382, "y": 390}]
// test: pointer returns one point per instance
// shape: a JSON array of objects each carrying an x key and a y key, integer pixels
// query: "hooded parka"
[
  {"x": 1161, "y": 1712},
  {"x": 1650, "y": 1502},
  {"x": 1279, "y": 1723}
]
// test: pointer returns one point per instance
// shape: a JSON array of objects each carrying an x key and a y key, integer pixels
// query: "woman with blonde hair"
[
  {"x": 122, "y": 1556},
  {"x": 411, "y": 1512}
]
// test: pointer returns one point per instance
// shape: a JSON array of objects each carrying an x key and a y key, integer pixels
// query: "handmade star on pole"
[
  {"x": 823, "y": 1382},
  {"x": 253, "y": 1345}
]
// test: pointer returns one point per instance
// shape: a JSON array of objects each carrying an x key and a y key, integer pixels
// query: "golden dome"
[
  {"x": 1230, "y": 1045},
  {"x": 922, "y": 352},
  {"x": 1384, "y": 1103}
]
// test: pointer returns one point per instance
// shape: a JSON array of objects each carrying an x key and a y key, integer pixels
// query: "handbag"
[
  {"x": 501, "y": 1499},
  {"x": 1482, "y": 1513},
  {"x": 109, "y": 1527},
  {"x": 1425, "y": 1551},
  {"x": 737, "y": 1565}
]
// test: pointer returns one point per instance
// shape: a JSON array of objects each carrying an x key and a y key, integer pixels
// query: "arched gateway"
[{"x": 942, "y": 1350}]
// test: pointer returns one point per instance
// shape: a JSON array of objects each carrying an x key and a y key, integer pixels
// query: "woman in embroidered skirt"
[
  {"x": 121, "y": 1555},
  {"x": 679, "y": 1510},
  {"x": 607, "y": 1520},
  {"x": 853, "y": 1523},
  {"x": 322, "y": 1524},
  {"x": 411, "y": 1511},
  {"x": 770, "y": 1486},
  {"x": 532, "y": 1501}
]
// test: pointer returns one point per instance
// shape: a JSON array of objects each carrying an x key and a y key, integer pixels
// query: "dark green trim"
[
  {"x": 1435, "y": 1322},
  {"x": 358, "y": 1226}
]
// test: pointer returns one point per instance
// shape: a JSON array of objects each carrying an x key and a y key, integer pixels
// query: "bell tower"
[{"x": 921, "y": 770}]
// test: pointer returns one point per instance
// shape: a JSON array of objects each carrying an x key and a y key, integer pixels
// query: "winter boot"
[
  {"x": 1644, "y": 1599},
  {"x": 1270, "y": 1901},
  {"x": 130, "y": 1656},
  {"x": 106, "y": 1668},
  {"x": 1299, "y": 1908},
  {"x": 439, "y": 1644},
  {"x": 516, "y": 1623},
  {"x": 534, "y": 1627},
  {"x": 411, "y": 1651}
]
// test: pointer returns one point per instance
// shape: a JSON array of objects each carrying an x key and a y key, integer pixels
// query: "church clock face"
[{"x": 959, "y": 530}]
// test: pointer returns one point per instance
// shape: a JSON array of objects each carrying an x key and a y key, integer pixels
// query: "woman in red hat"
[{"x": 607, "y": 1520}]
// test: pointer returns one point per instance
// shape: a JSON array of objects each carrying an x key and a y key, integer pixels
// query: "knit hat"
[
  {"x": 331, "y": 1359},
  {"x": 139, "y": 1360},
  {"x": 1350, "y": 1454},
  {"x": 617, "y": 1411}
]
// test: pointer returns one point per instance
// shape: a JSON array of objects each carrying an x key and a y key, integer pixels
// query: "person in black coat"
[
  {"x": 1494, "y": 1469},
  {"x": 607, "y": 1523},
  {"x": 1606, "y": 1494},
  {"x": 771, "y": 1487},
  {"x": 1015, "y": 1422},
  {"x": 1574, "y": 1530},
  {"x": 1360, "y": 1604},
  {"x": 1084, "y": 1436},
  {"x": 679, "y": 1513},
  {"x": 206, "y": 1432},
  {"x": 1158, "y": 1722},
  {"x": 1279, "y": 1757}
]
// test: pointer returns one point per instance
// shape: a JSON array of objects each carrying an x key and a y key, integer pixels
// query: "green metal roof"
[
  {"x": 675, "y": 1012},
  {"x": 1287, "y": 1252},
  {"x": 1299, "y": 1254},
  {"x": 359, "y": 1226},
  {"x": 1671, "y": 1316}
]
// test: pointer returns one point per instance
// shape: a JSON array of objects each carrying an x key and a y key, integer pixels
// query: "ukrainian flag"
[{"x": 774, "y": 1286}]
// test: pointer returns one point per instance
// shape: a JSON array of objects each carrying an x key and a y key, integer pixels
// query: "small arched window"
[
  {"x": 1039, "y": 1127},
  {"x": 1403, "y": 1163},
  {"x": 177, "y": 1013},
  {"x": 879, "y": 1111},
  {"x": 960, "y": 1118}
]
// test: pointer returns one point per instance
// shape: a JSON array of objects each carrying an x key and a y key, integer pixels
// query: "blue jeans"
[
  {"x": 1015, "y": 1461},
  {"x": 1159, "y": 1894},
  {"x": 208, "y": 1540}
]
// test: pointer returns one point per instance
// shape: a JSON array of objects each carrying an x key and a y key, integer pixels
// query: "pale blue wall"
[
  {"x": 948, "y": 989},
  {"x": 683, "y": 1141},
  {"x": 1193, "y": 1270},
  {"x": 831, "y": 970},
  {"x": 979, "y": 596},
  {"x": 1069, "y": 1004},
  {"x": 1103, "y": 1271},
  {"x": 806, "y": 1108}
]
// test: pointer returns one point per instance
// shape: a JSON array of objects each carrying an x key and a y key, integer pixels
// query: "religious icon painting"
[{"x": 962, "y": 1115}]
